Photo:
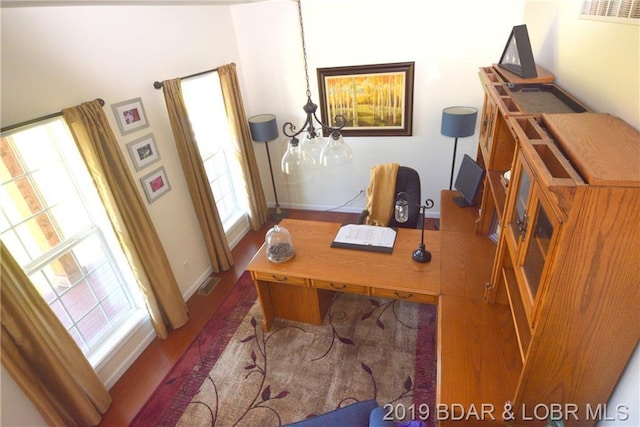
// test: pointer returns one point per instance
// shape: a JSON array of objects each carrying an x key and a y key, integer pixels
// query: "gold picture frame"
[{"x": 375, "y": 100}]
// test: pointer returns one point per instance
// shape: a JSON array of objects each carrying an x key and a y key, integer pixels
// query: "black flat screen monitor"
[{"x": 468, "y": 182}]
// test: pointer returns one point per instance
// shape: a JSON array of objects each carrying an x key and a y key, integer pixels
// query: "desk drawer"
[
  {"x": 280, "y": 278},
  {"x": 403, "y": 295},
  {"x": 340, "y": 287}
]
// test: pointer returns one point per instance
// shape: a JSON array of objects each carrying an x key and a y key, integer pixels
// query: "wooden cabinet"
[
  {"x": 559, "y": 319},
  {"x": 533, "y": 222},
  {"x": 497, "y": 144},
  {"x": 566, "y": 258},
  {"x": 567, "y": 253},
  {"x": 578, "y": 263}
]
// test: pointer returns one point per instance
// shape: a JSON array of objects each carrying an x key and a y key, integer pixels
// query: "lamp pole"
[
  {"x": 264, "y": 128},
  {"x": 457, "y": 122},
  {"x": 453, "y": 162},
  {"x": 278, "y": 215}
]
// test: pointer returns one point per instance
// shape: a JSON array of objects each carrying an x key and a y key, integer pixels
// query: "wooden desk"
[
  {"x": 301, "y": 288},
  {"x": 478, "y": 358},
  {"x": 456, "y": 218}
]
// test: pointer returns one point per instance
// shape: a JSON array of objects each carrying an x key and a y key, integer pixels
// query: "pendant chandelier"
[{"x": 314, "y": 150}]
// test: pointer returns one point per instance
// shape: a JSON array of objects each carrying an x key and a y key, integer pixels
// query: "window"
[
  {"x": 612, "y": 10},
  {"x": 207, "y": 114},
  {"x": 55, "y": 226}
]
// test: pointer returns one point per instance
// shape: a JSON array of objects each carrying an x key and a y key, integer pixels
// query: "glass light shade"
[
  {"x": 336, "y": 152},
  {"x": 313, "y": 147},
  {"x": 295, "y": 161}
]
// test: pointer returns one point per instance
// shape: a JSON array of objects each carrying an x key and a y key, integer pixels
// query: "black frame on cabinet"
[{"x": 517, "y": 56}]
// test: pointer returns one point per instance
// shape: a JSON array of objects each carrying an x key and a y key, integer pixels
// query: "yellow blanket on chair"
[{"x": 381, "y": 193}]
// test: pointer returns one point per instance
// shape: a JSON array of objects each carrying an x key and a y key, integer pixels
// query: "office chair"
[{"x": 407, "y": 180}]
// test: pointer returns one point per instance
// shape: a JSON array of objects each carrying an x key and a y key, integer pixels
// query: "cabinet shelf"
[{"x": 489, "y": 75}]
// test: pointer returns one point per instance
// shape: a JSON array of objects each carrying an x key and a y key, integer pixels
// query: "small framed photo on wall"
[
  {"x": 130, "y": 115},
  {"x": 143, "y": 152},
  {"x": 155, "y": 184}
]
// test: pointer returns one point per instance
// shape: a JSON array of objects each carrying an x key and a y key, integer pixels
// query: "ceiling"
[{"x": 32, "y": 3}]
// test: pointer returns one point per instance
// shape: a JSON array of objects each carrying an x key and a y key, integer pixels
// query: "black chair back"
[{"x": 408, "y": 180}]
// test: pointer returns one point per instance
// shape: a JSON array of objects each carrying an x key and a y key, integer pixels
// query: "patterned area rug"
[{"x": 234, "y": 374}]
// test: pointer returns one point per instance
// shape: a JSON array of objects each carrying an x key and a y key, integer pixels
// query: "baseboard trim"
[{"x": 345, "y": 209}]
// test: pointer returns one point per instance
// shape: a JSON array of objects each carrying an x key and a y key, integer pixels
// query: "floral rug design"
[{"x": 235, "y": 374}]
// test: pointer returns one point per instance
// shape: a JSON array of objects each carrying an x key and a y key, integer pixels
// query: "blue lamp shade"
[
  {"x": 459, "y": 121},
  {"x": 263, "y": 127}
]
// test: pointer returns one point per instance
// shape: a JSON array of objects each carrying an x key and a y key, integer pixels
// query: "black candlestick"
[{"x": 421, "y": 254}]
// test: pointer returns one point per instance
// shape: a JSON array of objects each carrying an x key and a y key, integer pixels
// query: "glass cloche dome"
[{"x": 279, "y": 246}]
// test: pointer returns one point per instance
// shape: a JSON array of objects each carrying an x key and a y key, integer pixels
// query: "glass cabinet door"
[
  {"x": 486, "y": 124},
  {"x": 489, "y": 119},
  {"x": 519, "y": 218},
  {"x": 540, "y": 231}
]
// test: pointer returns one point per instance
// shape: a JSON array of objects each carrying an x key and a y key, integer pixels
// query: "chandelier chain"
[
  {"x": 289, "y": 129},
  {"x": 304, "y": 49}
]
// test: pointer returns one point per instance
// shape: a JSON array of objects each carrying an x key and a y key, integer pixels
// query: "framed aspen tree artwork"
[{"x": 375, "y": 100}]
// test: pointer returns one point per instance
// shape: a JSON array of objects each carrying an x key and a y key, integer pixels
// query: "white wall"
[
  {"x": 15, "y": 408},
  {"x": 596, "y": 61},
  {"x": 57, "y": 57},
  {"x": 448, "y": 41}
]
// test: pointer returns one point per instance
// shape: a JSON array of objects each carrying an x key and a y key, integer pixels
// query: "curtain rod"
[
  {"x": 39, "y": 119},
  {"x": 158, "y": 85}
]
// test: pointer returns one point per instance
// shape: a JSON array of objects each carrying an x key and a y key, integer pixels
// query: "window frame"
[
  {"x": 99, "y": 227},
  {"x": 232, "y": 172}
]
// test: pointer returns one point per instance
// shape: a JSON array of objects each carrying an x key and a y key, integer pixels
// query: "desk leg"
[{"x": 264, "y": 297}]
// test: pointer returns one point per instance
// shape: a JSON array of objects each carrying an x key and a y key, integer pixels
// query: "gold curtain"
[
  {"x": 239, "y": 128},
  {"x": 128, "y": 215},
  {"x": 193, "y": 168},
  {"x": 42, "y": 357}
]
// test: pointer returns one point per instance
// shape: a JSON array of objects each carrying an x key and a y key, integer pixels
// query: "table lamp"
[
  {"x": 458, "y": 122},
  {"x": 264, "y": 128}
]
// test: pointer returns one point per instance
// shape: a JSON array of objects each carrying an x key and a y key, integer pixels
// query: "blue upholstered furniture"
[{"x": 360, "y": 414}]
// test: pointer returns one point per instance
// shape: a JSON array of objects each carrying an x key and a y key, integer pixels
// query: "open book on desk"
[{"x": 365, "y": 237}]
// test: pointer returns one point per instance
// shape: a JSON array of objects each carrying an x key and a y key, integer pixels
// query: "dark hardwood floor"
[{"x": 133, "y": 389}]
